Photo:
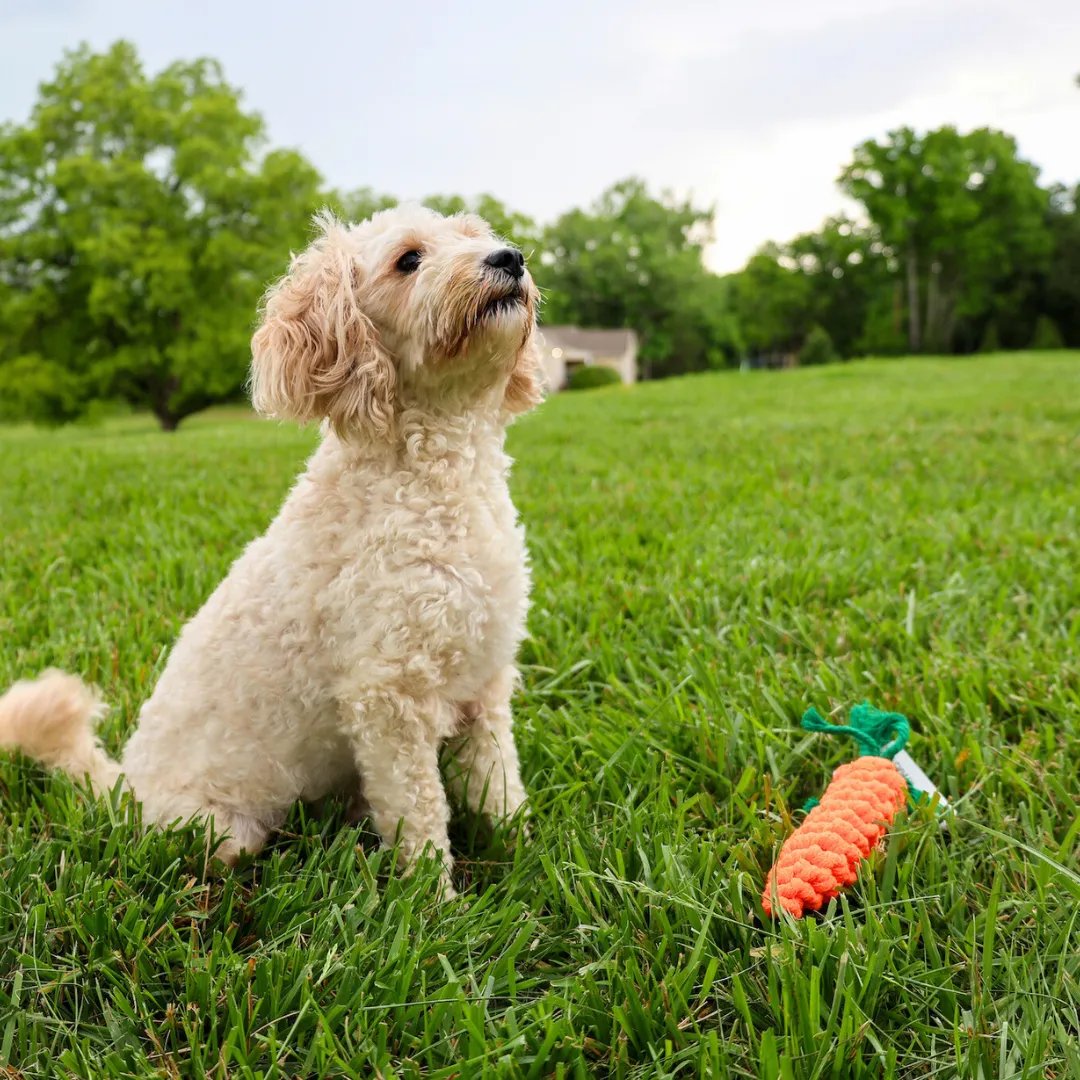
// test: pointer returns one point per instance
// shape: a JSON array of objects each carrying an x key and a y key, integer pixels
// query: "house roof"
[{"x": 598, "y": 342}]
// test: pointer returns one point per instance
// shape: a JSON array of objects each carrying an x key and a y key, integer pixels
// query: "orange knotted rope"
[{"x": 823, "y": 854}]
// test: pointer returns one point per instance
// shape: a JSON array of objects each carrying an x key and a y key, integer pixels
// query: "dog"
[{"x": 379, "y": 616}]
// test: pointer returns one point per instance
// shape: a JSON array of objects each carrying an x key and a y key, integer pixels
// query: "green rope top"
[{"x": 868, "y": 726}]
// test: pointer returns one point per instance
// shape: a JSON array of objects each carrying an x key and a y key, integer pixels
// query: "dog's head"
[{"x": 406, "y": 309}]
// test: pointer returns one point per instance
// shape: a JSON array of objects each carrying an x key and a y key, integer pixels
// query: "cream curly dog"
[{"x": 380, "y": 614}]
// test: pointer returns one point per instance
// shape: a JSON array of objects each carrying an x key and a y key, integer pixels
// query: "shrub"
[
  {"x": 818, "y": 348},
  {"x": 1047, "y": 335},
  {"x": 585, "y": 378}
]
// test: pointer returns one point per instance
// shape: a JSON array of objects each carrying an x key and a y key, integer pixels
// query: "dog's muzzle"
[{"x": 505, "y": 302}]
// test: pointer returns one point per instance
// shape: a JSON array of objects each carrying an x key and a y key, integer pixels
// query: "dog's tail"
[{"x": 51, "y": 719}]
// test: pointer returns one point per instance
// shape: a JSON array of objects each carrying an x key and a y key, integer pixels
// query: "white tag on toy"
[{"x": 918, "y": 779}]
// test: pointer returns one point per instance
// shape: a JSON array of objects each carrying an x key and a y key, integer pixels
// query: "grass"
[{"x": 711, "y": 555}]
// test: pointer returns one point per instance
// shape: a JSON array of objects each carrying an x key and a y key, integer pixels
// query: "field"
[{"x": 711, "y": 555}]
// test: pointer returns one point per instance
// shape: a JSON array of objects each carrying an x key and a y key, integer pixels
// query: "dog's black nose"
[{"x": 509, "y": 259}]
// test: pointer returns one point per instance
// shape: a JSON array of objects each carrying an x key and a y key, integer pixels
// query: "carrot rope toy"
[{"x": 822, "y": 856}]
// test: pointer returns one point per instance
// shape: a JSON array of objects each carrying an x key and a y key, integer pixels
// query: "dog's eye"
[{"x": 409, "y": 263}]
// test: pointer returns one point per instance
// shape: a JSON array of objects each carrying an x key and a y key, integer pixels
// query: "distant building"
[{"x": 568, "y": 347}]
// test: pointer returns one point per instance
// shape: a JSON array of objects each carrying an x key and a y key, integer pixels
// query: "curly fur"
[{"x": 380, "y": 614}]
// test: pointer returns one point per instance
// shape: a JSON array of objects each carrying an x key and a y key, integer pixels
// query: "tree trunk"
[
  {"x": 930, "y": 337},
  {"x": 168, "y": 417},
  {"x": 948, "y": 318},
  {"x": 940, "y": 310},
  {"x": 914, "y": 342}
]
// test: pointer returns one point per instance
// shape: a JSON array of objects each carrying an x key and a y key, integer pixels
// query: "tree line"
[
  {"x": 958, "y": 249},
  {"x": 141, "y": 216}
]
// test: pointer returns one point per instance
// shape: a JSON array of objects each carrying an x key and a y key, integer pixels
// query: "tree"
[
  {"x": 1061, "y": 288},
  {"x": 635, "y": 261},
  {"x": 961, "y": 212},
  {"x": 850, "y": 275},
  {"x": 704, "y": 331},
  {"x": 139, "y": 223},
  {"x": 841, "y": 277},
  {"x": 774, "y": 302}
]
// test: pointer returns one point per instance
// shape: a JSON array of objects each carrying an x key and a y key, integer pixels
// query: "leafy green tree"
[
  {"x": 1061, "y": 289},
  {"x": 1041, "y": 296},
  {"x": 850, "y": 274},
  {"x": 774, "y": 302},
  {"x": 139, "y": 222},
  {"x": 633, "y": 260},
  {"x": 704, "y": 331},
  {"x": 961, "y": 212},
  {"x": 842, "y": 277}
]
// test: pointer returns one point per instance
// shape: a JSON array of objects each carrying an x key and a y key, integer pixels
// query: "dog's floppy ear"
[
  {"x": 316, "y": 354},
  {"x": 525, "y": 387}
]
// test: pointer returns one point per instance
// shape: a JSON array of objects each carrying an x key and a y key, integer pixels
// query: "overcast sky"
[{"x": 751, "y": 106}]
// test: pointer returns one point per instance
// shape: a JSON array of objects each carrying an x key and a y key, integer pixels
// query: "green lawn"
[{"x": 711, "y": 555}]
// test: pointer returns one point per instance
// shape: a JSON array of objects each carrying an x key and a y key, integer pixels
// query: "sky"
[{"x": 750, "y": 107}]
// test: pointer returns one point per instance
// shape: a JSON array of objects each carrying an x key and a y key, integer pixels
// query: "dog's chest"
[
  {"x": 478, "y": 578},
  {"x": 436, "y": 580}
]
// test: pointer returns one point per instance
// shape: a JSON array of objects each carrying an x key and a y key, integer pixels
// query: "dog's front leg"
[
  {"x": 484, "y": 760},
  {"x": 397, "y": 755}
]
